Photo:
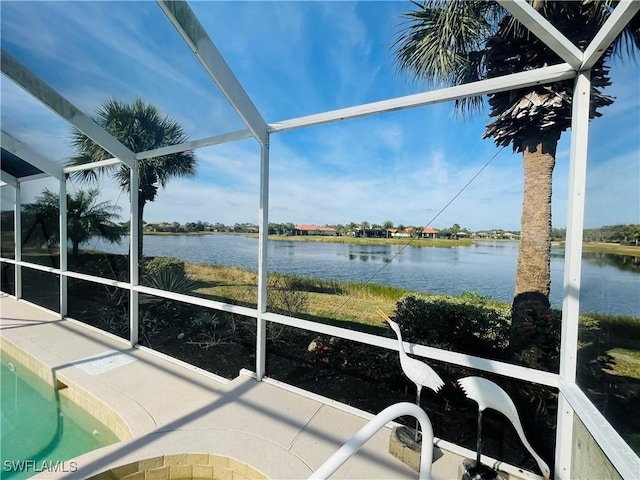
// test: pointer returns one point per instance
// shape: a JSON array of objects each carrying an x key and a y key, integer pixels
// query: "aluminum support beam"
[
  {"x": 261, "y": 324},
  {"x": 493, "y": 366},
  {"x": 618, "y": 20},
  {"x": 17, "y": 233},
  {"x": 30, "y": 178},
  {"x": 544, "y": 30},
  {"x": 573, "y": 266},
  {"x": 30, "y": 82},
  {"x": 7, "y": 179},
  {"x": 134, "y": 260},
  {"x": 194, "y": 144},
  {"x": 63, "y": 248},
  {"x": 195, "y": 36},
  {"x": 25, "y": 153},
  {"x": 92, "y": 165},
  {"x": 514, "y": 81},
  {"x": 158, "y": 152}
]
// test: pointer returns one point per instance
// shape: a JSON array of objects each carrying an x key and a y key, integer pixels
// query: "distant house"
[
  {"x": 510, "y": 236},
  {"x": 314, "y": 230},
  {"x": 404, "y": 233},
  {"x": 428, "y": 232},
  {"x": 371, "y": 233}
]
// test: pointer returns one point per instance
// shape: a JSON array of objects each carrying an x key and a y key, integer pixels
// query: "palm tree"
[
  {"x": 140, "y": 127},
  {"x": 456, "y": 41},
  {"x": 86, "y": 218}
]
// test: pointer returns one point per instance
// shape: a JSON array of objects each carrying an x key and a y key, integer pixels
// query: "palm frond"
[
  {"x": 436, "y": 40},
  {"x": 442, "y": 42}
]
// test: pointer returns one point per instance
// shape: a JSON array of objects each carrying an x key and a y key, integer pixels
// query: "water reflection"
[{"x": 627, "y": 263}]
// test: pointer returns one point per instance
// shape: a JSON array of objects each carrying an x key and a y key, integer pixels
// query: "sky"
[{"x": 295, "y": 59}]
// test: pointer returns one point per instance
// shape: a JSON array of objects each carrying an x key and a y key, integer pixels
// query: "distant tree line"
[{"x": 622, "y": 234}]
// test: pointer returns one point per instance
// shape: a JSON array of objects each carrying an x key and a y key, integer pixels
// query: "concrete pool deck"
[{"x": 172, "y": 409}]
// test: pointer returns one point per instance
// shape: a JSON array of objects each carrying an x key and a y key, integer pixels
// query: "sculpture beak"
[{"x": 384, "y": 316}]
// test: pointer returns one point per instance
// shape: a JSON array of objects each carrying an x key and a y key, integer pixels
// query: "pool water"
[{"x": 40, "y": 430}]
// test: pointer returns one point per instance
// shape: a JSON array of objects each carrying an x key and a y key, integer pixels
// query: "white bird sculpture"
[
  {"x": 489, "y": 395},
  {"x": 418, "y": 372}
]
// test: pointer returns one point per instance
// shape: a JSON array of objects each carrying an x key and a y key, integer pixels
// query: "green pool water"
[{"x": 41, "y": 430}]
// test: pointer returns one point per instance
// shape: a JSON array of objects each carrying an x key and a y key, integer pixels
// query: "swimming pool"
[{"x": 41, "y": 430}]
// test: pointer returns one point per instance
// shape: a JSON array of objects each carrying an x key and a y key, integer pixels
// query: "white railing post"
[
  {"x": 134, "y": 260},
  {"x": 261, "y": 326},
  {"x": 63, "y": 247},
  {"x": 572, "y": 268},
  {"x": 17, "y": 232}
]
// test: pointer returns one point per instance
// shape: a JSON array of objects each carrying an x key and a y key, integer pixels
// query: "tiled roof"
[{"x": 314, "y": 228}]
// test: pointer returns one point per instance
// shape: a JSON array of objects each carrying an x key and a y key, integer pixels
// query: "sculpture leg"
[
  {"x": 479, "y": 440},
  {"x": 417, "y": 403}
]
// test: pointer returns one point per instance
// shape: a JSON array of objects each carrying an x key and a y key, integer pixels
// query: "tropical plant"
[
  {"x": 457, "y": 41},
  {"x": 86, "y": 218},
  {"x": 140, "y": 127}
]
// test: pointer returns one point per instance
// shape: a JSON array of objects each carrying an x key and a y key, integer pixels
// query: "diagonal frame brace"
[
  {"x": 195, "y": 36},
  {"x": 544, "y": 30},
  {"x": 42, "y": 91},
  {"x": 25, "y": 153},
  {"x": 616, "y": 22}
]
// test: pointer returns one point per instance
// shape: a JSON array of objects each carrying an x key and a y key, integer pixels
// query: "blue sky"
[{"x": 294, "y": 59}]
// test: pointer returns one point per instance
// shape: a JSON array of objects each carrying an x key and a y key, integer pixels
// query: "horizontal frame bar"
[
  {"x": 92, "y": 165},
  {"x": 513, "y": 371},
  {"x": 23, "y": 152},
  {"x": 203, "y": 302},
  {"x": 30, "y": 178},
  {"x": 8, "y": 179},
  {"x": 555, "y": 73},
  {"x": 42, "y": 91},
  {"x": 35, "y": 266},
  {"x": 100, "y": 280},
  {"x": 195, "y": 144}
]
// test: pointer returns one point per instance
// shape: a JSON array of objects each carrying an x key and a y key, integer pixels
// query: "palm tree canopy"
[
  {"x": 451, "y": 42},
  {"x": 86, "y": 217},
  {"x": 442, "y": 42},
  {"x": 139, "y": 126}
]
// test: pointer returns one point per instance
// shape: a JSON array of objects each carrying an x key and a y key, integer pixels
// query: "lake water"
[{"x": 610, "y": 283}]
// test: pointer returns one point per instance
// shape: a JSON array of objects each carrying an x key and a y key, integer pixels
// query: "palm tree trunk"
[
  {"x": 75, "y": 249},
  {"x": 531, "y": 308}
]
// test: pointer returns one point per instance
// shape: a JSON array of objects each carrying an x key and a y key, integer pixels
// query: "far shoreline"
[{"x": 614, "y": 248}]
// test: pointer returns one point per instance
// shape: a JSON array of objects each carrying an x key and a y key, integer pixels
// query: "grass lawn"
[
  {"x": 354, "y": 305},
  {"x": 627, "y": 362}
]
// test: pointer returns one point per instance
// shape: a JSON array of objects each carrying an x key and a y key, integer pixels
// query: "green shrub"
[
  {"x": 468, "y": 323},
  {"x": 171, "y": 281},
  {"x": 163, "y": 264}
]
